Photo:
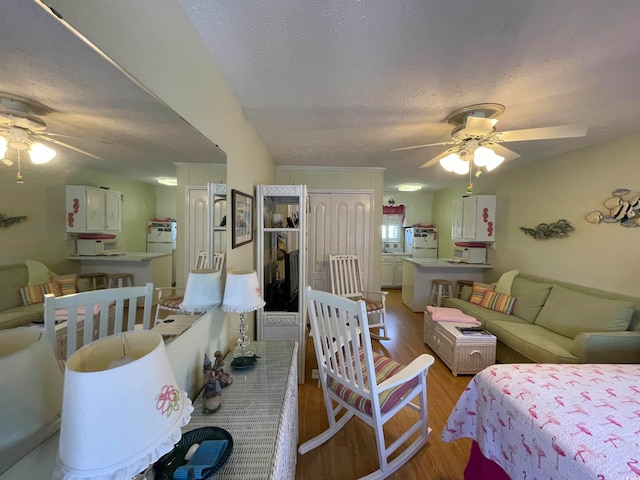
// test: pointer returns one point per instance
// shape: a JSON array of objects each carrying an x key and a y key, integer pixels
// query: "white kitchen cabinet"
[
  {"x": 92, "y": 209},
  {"x": 391, "y": 270},
  {"x": 473, "y": 218},
  {"x": 281, "y": 262},
  {"x": 113, "y": 210}
]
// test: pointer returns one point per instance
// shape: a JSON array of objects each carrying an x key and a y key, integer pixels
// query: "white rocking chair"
[
  {"x": 357, "y": 382},
  {"x": 346, "y": 281}
]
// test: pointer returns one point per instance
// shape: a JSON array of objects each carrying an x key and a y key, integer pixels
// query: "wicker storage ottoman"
[{"x": 462, "y": 353}]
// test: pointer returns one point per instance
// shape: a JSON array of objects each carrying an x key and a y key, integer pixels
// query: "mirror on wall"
[{"x": 108, "y": 122}]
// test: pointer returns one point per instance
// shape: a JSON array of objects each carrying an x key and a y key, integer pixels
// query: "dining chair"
[
  {"x": 357, "y": 382},
  {"x": 111, "y": 310},
  {"x": 347, "y": 281}
]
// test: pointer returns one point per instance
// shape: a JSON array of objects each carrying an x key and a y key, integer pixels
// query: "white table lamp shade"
[
  {"x": 203, "y": 291},
  {"x": 242, "y": 292},
  {"x": 30, "y": 393},
  {"x": 118, "y": 420}
]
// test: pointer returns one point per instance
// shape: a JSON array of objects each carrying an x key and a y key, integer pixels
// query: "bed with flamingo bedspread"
[{"x": 549, "y": 421}]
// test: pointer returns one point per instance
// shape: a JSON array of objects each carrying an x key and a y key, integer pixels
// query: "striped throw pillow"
[
  {"x": 498, "y": 302},
  {"x": 52, "y": 287},
  {"x": 32, "y": 294},
  {"x": 68, "y": 283},
  {"x": 478, "y": 292}
]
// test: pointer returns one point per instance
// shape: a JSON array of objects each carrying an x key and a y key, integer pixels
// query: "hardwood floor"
[{"x": 352, "y": 452}]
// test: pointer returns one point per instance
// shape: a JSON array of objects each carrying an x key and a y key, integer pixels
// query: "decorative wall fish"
[
  {"x": 544, "y": 231},
  {"x": 623, "y": 207}
]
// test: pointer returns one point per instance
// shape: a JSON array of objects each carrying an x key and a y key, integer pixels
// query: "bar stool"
[
  {"x": 461, "y": 284},
  {"x": 440, "y": 290},
  {"x": 120, "y": 280},
  {"x": 94, "y": 278}
]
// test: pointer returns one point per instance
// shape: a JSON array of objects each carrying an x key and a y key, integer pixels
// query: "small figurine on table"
[
  {"x": 211, "y": 397},
  {"x": 220, "y": 375}
]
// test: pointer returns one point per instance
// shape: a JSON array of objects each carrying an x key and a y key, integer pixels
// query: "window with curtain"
[{"x": 392, "y": 221}]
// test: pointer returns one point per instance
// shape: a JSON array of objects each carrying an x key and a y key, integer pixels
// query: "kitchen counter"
[
  {"x": 417, "y": 276},
  {"x": 145, "y": 267},
  {"x": 123, "y": 257},
  {"x": 444, "y": 263}
]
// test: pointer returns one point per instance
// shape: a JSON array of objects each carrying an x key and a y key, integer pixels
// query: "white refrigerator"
[
  {"x": 161, "y": 238},
  {"x": 422, "y": 243}
]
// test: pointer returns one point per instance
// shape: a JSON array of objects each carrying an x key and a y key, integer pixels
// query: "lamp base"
[{"x": 242, "y": 348}]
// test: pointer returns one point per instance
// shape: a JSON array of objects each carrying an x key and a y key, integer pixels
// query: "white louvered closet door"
[{"x": 339, "y": 222}]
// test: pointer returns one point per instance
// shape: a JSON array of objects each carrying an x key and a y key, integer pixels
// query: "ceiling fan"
[
  {"x": 475, "y": 139},
  {"x": 22, "y": 128}
]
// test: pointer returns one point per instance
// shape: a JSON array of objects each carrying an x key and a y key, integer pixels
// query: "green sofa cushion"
[
  {"x": 21, "y": 316},
  {"x": 569, "y": 313},
  {"x": 533, "y": 341},
  {"x": 530, "y": 298}
]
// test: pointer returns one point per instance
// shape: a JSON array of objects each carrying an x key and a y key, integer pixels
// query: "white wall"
[
  {"x": 166, "y": 201},
  {"x": 604, "y": 256}
]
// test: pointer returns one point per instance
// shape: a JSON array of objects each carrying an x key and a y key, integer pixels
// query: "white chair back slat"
[
  {"x": 111, "y": 319},
  {"x": 218, "y": 260},
  {"x": 346, "y": 277},
  {"x": 202, "y": 261}
]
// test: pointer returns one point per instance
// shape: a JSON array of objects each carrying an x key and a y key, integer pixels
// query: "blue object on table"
[{"x": 205, "y": 458}]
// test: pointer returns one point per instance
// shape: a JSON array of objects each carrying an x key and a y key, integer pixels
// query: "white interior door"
[
  {"x": 197, "y": 228},
  {"x": 339, "y": 222}
]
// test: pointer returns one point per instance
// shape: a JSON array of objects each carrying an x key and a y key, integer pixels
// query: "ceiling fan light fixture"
[
  {"x": 482, "y": 155},
  {"x": 494, "y": 162},
  {"x": 40, "y": 153},
  {"x": 450, "y": 162}
]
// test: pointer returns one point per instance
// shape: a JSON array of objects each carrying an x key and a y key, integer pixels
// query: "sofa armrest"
[{"x": 607, "y": 347}]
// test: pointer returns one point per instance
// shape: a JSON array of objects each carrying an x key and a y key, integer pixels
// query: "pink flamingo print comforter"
[{"x": 549, "y": 421}]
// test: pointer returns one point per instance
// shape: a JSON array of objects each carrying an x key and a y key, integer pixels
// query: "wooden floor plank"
[{"x": 352, "y": 452}]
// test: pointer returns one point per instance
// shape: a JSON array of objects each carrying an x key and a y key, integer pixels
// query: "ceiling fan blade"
[
  {"x": 503, "y": 151},
  {"x": 479, "y": 126},
  {"x": 560, "y": 131},
  {"x": 450, "y": 142},
  {"x": 437, "y": 158},
  {"x": 57, "y": 142},
  {"x": 60, "y": 135}
]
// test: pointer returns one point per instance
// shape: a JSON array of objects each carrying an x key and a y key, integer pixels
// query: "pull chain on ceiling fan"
[{"x": 476, "y": 141}]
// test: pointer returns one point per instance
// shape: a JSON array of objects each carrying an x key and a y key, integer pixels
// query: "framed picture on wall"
[{"x": 241, "y": 218}]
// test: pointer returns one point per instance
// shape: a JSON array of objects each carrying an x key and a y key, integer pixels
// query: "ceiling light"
[
  {"x": 409, "y": 188},
  {"x": 494, "y": 162},
  {"x": 40, "y": 153},
  {"x": 450, "y": 161},
  {"x": 168, "y": 181}
]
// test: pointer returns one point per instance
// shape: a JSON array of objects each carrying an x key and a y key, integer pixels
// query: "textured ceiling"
[
  {"x": 116, "y": 119},
  {"x": 339, "y": 83}
]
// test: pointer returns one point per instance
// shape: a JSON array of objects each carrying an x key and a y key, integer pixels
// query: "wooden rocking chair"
[
  {"x": 357, "y": 382},
  {"x": 346, "y": 281}
]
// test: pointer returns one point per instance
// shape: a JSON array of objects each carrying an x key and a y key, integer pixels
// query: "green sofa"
[
  {"x": 12, "y": 312},
  {"x": 559, "y": 322}
]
